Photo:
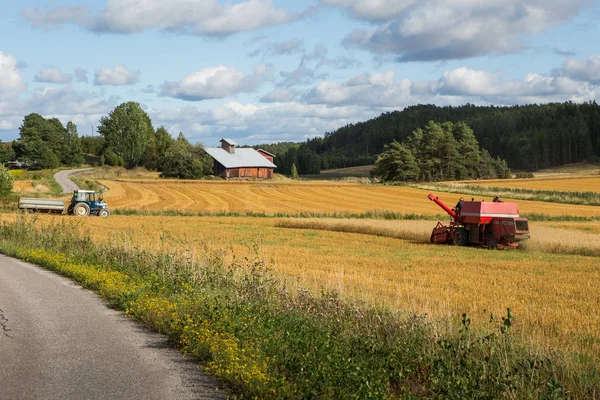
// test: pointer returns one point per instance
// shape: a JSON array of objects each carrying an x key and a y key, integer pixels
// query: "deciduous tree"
[{"x": 127, "y": 130}]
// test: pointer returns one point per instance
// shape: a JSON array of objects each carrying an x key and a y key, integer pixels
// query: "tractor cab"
[{"x": 88, "y": 202}]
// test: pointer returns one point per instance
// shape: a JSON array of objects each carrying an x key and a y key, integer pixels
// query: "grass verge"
[{"x": 264, "y": 342}]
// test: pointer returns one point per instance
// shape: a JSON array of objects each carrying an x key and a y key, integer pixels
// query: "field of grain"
[
  {"x": 553, "y": 296},
  {"x": 29, "y": 186},
  {"x": 291, "y": 198},
  {"x": 562, "y": 183}
]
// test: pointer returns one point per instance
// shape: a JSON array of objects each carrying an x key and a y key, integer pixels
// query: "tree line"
[
  {"x": 528, "y": 137},
  {"x": 127, "y": 138}
]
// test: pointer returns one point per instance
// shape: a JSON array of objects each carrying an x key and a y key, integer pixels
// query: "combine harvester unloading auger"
[{"x": 495, "y": 225}]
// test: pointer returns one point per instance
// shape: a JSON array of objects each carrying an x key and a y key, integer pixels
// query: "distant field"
[
  {"x": 553, "y": 296},
  {"x": 362, "y": 171},
  {"x": 567, "y": 184},
  {"x": 30, "y": 186},
  {"x": 281, "y": 197}
]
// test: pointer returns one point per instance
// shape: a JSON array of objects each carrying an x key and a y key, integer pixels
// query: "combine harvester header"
[{"x": 481, "y": 223}]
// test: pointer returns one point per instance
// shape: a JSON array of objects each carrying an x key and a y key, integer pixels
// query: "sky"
[{"x": 264, "y": 71}]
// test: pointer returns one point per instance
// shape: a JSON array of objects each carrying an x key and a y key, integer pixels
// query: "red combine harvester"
[{"x": 481, "y": 223}]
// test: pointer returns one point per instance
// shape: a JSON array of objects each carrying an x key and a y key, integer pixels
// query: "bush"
[
  {"x": 18, "y": 173},
  {"x": 111, "y": 158},
  {"x": 6, "y": 182}
]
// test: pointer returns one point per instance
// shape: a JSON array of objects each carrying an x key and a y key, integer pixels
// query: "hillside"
[{"x": 528, "y": 137}]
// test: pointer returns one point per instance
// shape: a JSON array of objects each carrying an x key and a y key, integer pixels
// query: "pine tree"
[{"x": 294, "y": 171}]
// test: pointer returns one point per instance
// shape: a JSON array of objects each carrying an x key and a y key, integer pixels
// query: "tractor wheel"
[
  {"x": 81, "y": 210},
  {"x": 461, "y": 237},
  {"x": 105, "y": 212}
]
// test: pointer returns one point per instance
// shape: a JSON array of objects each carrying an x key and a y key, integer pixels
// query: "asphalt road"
[
  {"x": 62, "y": 177},
  {"x": 59, "y": 341}
]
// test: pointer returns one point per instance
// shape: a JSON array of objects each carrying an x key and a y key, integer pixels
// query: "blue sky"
[{"x": 271, "y": 70}]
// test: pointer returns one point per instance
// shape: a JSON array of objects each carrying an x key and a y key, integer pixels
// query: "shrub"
[
  {"x": 6, "y": 182},
  {"x": 18, "y": 173}
]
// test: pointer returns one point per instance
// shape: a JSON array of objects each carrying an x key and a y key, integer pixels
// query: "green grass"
[{"x": 264, "y": 342}]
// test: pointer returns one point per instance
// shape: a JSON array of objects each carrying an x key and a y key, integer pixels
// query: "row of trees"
[
  {"x": 439, "y": 152},
  {"x": 130, "y": 140},
  {"x": 127, "y": 138}
]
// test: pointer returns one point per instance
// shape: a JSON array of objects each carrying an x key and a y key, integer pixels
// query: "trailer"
[
  {"x": 42, "y": 205},
  {"x": 495, "y": 225},
  {"x": 83, "y": 203}
]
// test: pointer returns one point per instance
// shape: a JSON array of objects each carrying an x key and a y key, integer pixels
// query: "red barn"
[{"x": 232, "y": 162}]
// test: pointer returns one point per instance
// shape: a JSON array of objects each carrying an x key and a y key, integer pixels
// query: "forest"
[{"x": 528, "y": 137}]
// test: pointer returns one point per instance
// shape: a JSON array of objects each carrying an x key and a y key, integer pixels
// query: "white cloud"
[
  {"x": 586, "y": 70},
  {"x": 452, "y": 29},
  {"x": 116, "y": 76},
  {"x": 457, "y": 86},
  {"x": 252, "y": 124},
  {"x": 11, "y": 82},
  {"x": 377, "y": 90},
  {"x": 67, "y": 101},
  {"x": 53, "y": 75},
  {"x": 197, "y": 17},
  {"x": 217, "y": 82}
]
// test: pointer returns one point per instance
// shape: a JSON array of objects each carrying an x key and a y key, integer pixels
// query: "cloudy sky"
[{"x": 279, "y": 70}]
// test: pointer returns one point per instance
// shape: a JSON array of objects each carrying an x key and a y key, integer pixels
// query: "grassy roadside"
[{"x": 264, "y": 342}]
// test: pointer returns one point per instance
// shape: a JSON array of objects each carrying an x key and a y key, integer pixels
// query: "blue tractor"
[{"x": 87, "y": 202}]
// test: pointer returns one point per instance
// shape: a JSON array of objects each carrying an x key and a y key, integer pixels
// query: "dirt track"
[{"x": 62, "y": 178}]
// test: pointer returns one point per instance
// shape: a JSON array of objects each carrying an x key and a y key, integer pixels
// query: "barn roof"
[
  {"x": 266, "y": 152},
  {"x": 242, "y": 158}
]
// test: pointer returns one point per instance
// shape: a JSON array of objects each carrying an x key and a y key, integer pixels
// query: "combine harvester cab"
[{"x": 480, "y": 223}]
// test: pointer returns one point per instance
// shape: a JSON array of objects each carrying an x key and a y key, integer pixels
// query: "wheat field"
[
  {"x": 554, "y": 296},
  {"x": 313, "y": 196},
  {"x": 552, "y": 287}
]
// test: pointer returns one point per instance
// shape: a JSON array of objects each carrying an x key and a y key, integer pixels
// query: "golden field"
[
  {"x": 29, "y": 186},
  {"x": 552, "y": 287},
  {"x": 562, "y": 183},
  {"x": 284, "y": 197},
  {"x": 554, "y": 297}
]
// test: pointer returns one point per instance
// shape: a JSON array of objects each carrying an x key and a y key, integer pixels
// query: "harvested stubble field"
[
  {"x": 292, "y": 198},
  {"x": 553, "y": 296}
]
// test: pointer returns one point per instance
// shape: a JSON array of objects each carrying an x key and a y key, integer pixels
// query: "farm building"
[{"x": 232, "y": 162}]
